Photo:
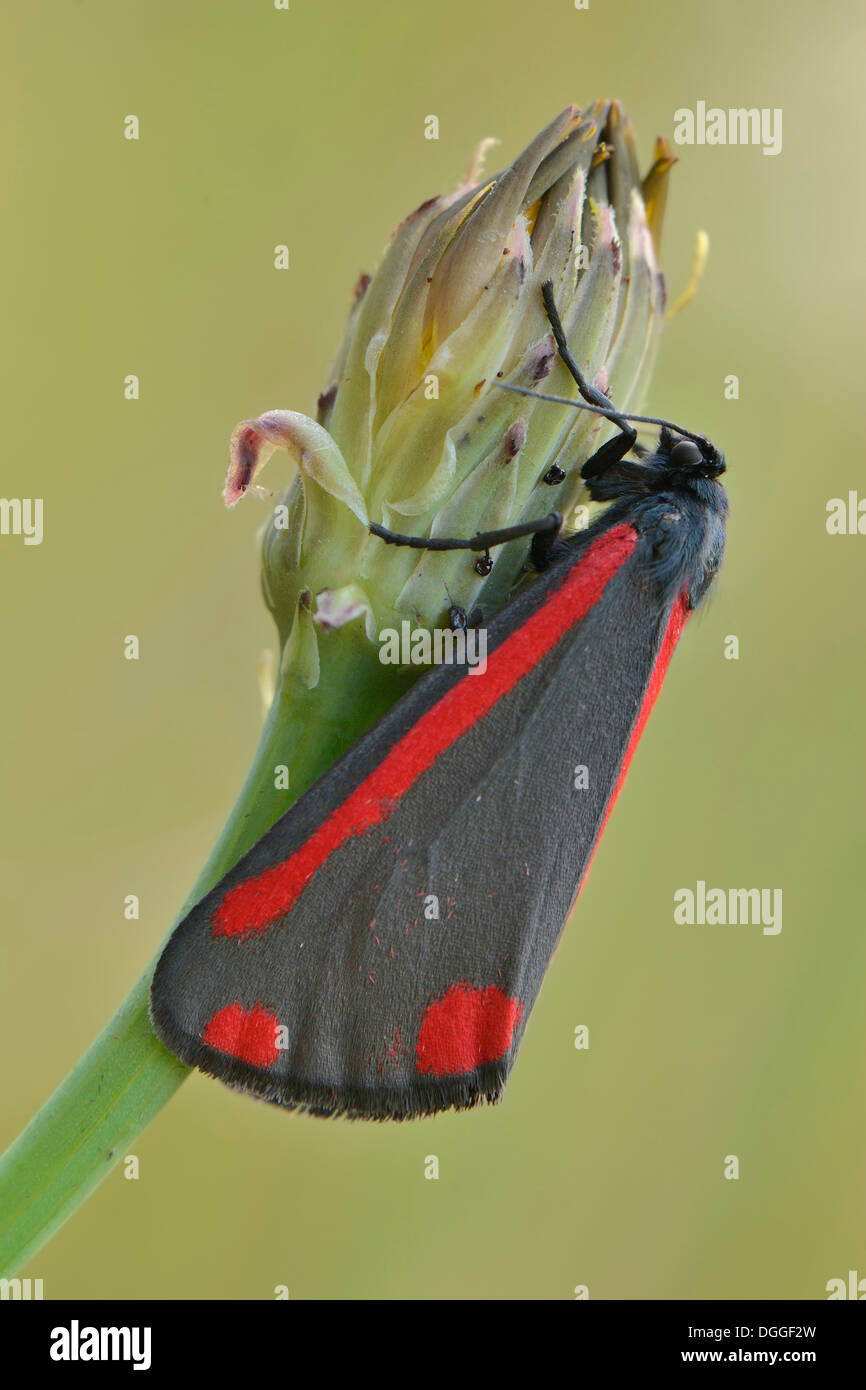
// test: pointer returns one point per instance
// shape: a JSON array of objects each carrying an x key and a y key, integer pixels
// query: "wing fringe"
[{"x": 426, "y": 1096}]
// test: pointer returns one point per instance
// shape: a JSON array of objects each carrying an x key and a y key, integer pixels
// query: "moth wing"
[{"x": 378, "y": 952}]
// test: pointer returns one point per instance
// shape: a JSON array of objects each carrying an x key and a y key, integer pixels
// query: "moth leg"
[
  {"x": 608, "y": 456},
  {"x": 615, "y": 450},
  {"x": 543, "y": 548},
  {"x": 589, "y": 392},
  {"x": 549, "y": 525}
]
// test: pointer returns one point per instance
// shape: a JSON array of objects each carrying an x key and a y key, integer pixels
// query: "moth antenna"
[{"x": 611, "y": 414}]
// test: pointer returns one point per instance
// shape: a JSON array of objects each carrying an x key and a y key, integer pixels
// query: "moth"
[{"x": 314, "y": 975}]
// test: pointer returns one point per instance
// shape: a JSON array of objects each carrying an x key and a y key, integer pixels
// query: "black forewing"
[{"x": 496, "y": 830}]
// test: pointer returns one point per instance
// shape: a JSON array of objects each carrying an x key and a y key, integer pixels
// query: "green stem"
[{"x": 126, "y": 1076}]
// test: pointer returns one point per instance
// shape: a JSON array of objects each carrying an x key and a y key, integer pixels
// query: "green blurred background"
[{"x": 603, "y": 1167}]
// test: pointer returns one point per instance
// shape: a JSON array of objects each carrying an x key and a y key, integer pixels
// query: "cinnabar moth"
[{"x": 310, "y": 974}]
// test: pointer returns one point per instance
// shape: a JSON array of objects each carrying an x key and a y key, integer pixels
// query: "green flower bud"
[{"x": 412, "y": 429}]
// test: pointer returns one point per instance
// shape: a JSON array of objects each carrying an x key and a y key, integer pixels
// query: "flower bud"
[{"x": 412, "y": 428}]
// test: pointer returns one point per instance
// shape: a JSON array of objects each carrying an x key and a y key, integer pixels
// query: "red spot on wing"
[
  {"x": 465, "y": 1028},
  {"x": 254, "y": 904},
  {"x": 250, "y": 1034}
]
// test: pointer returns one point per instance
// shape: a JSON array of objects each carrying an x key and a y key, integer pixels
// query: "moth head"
[{"x": 695, "y": 455}]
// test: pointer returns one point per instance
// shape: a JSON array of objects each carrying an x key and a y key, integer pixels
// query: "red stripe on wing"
[{"x": 254, "y": 904}]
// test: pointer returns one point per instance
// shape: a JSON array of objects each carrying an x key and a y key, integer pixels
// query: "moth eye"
[{"x": 686, "y": 454}]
